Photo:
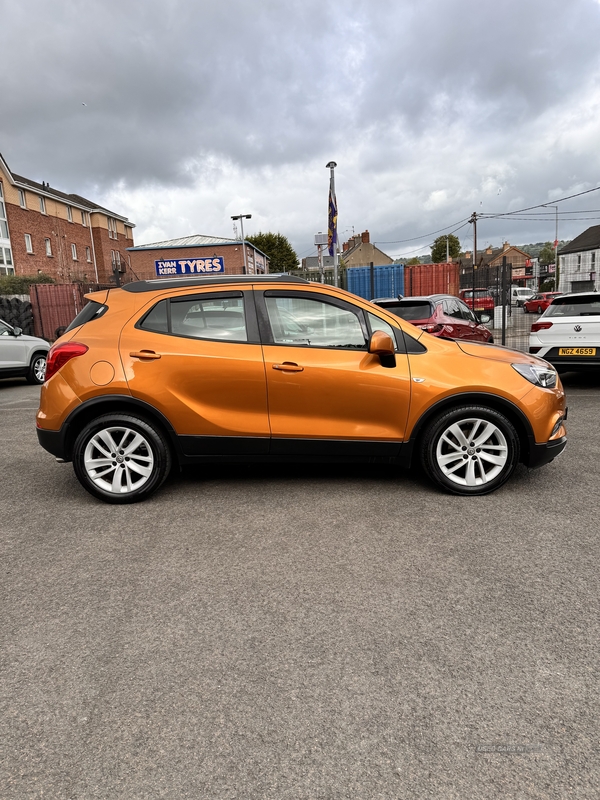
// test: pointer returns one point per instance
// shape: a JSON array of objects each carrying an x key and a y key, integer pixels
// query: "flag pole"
[{"x": 332, "y": 215}]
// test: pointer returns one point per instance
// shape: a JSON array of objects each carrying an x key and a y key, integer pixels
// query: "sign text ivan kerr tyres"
[{"x": 190, "y": 266}]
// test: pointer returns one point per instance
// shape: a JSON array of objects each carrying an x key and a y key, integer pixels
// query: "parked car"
[
  {"x": 519, "y": 294},
  {"x": 441, "y": 315},
  {"x": 484, "y": 302},
  {"x": 568, "y": 333},
  {"x": 22, "y": 355},
  {"x": 539, "y": 302},
  {"x": 274, "y": 368}
]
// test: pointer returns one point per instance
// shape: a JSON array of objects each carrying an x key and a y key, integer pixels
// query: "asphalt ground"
[{"x": 295, "y": 632}]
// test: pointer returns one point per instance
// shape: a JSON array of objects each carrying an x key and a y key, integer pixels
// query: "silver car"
[{"x": 22, "y": 355}]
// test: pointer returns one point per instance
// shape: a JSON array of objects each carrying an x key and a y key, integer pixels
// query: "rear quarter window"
[{"x": 92, "y": 310}]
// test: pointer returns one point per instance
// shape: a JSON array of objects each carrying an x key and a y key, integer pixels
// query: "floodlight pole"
[
  {"x": 241, "y": 218},
  {"x": 555, "y": 245}
]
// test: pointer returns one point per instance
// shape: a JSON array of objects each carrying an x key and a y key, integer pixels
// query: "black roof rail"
[{"x": 208, "y": 280}]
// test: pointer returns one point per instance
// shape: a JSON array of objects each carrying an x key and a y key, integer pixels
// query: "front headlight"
[{"x": 540, "y": 376}]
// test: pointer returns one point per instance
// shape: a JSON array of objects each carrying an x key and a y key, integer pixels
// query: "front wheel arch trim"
[{"x": 500, "y": 404}]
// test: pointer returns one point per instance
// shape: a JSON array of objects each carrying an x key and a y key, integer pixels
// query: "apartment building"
[{"x": 66, "y": 236}]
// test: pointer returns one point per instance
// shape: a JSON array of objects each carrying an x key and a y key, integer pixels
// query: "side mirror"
[
  {"x": 17, "y": 331},
  {"x": 484, "y": 319},
  {"x": 382, "y": 345}
]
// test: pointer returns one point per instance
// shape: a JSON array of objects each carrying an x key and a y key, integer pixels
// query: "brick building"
[
  {"x": 62, "y": 235},
  {"x": 358, "y": 251},
  {"x": 144, "y": 256}
]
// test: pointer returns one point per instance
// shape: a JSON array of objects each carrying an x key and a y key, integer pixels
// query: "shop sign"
[{"x": 190, "y": 266}]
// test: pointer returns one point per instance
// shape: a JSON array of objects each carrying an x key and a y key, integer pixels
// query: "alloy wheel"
[
  {"x": 118, "y": 460},
  {"x": 39, "y": 369},
  {"x": 471, "y": 452}
]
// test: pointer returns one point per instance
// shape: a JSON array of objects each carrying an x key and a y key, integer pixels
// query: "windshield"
[
  {"x": 583, "y": 306},
  {"x": 478, "y": 293},
  {"x": 418, "y": 309}
]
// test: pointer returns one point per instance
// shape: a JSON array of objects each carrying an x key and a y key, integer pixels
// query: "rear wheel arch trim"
[
  {"x": 115, "y": 403},
  {"x": 497, "y": 403}
]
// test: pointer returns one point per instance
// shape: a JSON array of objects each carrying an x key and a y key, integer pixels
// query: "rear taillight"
[
  {"x": 60, "y": 354},
  {"x": 540, "y": 326}
]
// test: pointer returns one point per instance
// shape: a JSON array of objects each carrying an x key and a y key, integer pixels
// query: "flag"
[{"x": 332, "y": 223}]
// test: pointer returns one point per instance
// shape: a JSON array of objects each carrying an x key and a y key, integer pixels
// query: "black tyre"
[
  {"x": 470, "y": 450},
  {"x": 121, "y": 458},
  {"x": 525, "y": 310},
  {"x": 37, "y": 369},
  {"x": 491, "y": 340},
  {"x": 540, "y": 309}
]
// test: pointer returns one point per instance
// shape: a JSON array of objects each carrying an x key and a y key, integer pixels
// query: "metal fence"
[{"x": 55, "y": 305}]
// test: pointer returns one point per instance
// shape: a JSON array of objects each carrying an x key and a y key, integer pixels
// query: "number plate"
[{"x": 576, "y": 351}]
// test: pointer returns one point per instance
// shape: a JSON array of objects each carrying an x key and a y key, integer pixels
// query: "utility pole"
[
  {"x": 447, "y": 248},
  {"x": 473, "y": 221},
  {"x": 241, "y": 218}
]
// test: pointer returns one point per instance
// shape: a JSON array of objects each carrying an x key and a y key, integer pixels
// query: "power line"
[
  {"x": 540, "y": 205},
  {"x": 425, "y": 235}
]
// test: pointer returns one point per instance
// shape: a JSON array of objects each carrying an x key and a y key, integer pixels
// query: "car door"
[
  {"x": 328, "y": 395},
  {"x": 474, "y": 330},
  {"x": 460, "y": 325},
  {"x": 197, "y": 358},
  {"x": 13, "y": 349}
]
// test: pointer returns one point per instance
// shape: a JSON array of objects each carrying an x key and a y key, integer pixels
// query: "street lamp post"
[
  {"x": 332, "y": 216},
  {"x": 556, "y": 289},
  {"x": 241, "y": 218}
]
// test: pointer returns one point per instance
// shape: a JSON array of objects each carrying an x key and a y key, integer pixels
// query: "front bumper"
[{"x": 540, "y": 454}]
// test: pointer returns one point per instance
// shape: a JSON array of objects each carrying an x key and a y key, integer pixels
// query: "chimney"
[
  {"x": 468, "y": 254},
  {"x": 505, "y": 246},
  {"x": 346, "y": 246},
  {"x": 365, "y": 237},
  {"x": 488, "y": 250}
]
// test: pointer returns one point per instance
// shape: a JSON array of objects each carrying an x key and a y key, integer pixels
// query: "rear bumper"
[
  {"x": 540, "y": 454},
  {"x": 54, "y": 442}
]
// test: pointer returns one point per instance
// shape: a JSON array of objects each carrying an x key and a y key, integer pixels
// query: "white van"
[{"x": 519, "y": 294}]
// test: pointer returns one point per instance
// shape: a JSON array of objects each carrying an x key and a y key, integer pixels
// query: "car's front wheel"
[
  {"x": 470, "y": 450},
  {"x": 37, "y": 369},
  {"x": 121, "y": 458}
]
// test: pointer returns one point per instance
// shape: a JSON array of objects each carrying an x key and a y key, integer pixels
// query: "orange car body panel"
[{"x": 215, "y": 388}]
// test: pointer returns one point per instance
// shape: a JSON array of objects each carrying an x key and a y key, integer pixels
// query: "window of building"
[
  {"x": 74, "y": 251},
  {"x": 593, "y": 259},
  {"x": 6, "y": 265},
  {"x": 28, "y": 243},
  {"x": 22, "y": 200},
  {"x": 69, "y": 213},
  {"x": 84, "y": 218},
  {"x": 112, "y": 228},
  {"x": 42, "y": 205},
  {"x": 3, "y": 219},
  {"x": 88, "y": 254},
  {"x": 48, "y": 244}
]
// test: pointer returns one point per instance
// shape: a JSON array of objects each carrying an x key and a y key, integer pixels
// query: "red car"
[
  {"x": 539, "y": 302},
  {"x": 483, "y": 300},
  {"x": 439, "y": 314}
]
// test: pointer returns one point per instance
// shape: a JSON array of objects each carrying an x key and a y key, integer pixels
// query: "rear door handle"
[
  {"x": 148, "y": 355},
  {"x": 288, "y": 366}
]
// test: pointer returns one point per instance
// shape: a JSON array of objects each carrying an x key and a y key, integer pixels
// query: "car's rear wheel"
[
  {"x": 37, "y": 369},
  {"x": 470, "y": 450},
  {"x": 525, "y": 309},
  {"x": 121, "y": 458}
]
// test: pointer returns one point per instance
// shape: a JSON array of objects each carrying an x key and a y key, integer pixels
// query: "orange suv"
[{"x": 273, "y": 368}]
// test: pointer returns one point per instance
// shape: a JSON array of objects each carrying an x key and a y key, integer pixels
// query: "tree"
[
  {"x": 276, "y": 246},
  {"x": 412, "y": 261},
  {"x": 546, "y": 255},
  {"x": 438, "y": 248}
]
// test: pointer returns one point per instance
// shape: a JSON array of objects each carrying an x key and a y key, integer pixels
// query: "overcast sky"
[{"x": 179, "y": 114}]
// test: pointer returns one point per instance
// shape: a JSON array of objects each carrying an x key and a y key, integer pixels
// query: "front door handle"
[
  {"x": 288, "y": 366},
  {"x": 147, "y": 355}
]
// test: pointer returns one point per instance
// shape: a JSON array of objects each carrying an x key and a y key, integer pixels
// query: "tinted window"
[
  {"x": 584, "y": 306},
  {"x": 156, "y": 319},
  {"x": 4, "y": 329},
  {"x": 301, "y": 321},
  {"x": 418, "y": 309},
  {"x": 92, "y": 310},
  {"x": 212, "y": 318}
]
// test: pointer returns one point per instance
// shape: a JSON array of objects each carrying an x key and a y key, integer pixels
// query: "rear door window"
[{"x": 220, "y": 317}]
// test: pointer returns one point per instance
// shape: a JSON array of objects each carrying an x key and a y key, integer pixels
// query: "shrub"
[{"x": 19, "y": 284}]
